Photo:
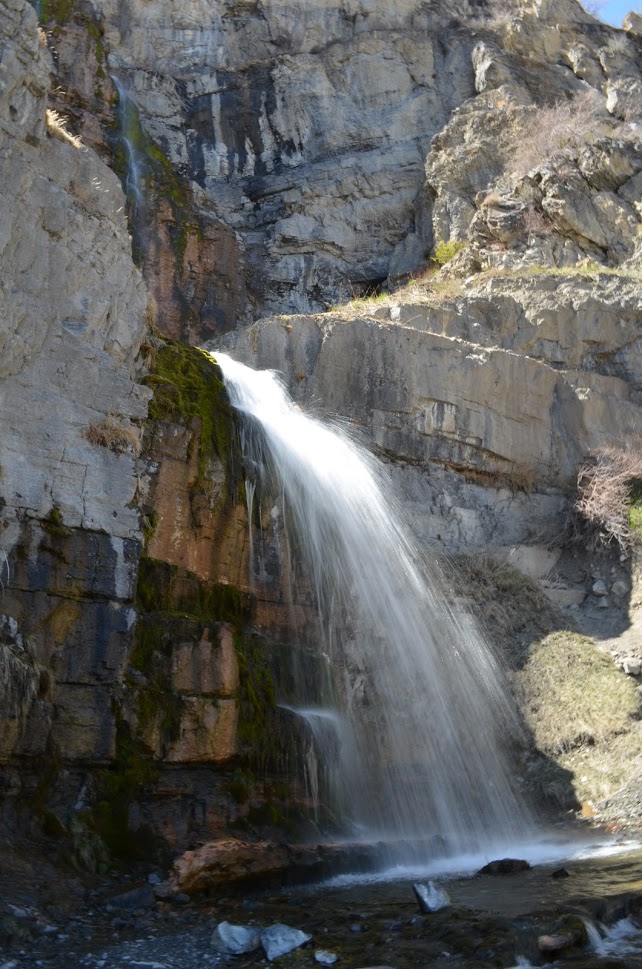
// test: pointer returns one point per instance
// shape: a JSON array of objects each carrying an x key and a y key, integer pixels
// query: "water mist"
[{"x": 415, "y": 703}]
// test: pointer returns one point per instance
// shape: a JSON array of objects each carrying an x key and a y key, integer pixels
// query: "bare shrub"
[
  {"x": 114, "y": 436},
  {"x": 562, "y": 128},
  {"x": 605, "y": 490}
]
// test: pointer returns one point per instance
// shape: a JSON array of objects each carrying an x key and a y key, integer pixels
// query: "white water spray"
[{"x": 428, "y": 722}]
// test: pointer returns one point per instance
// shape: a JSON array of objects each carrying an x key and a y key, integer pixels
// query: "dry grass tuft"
[
  {"x": 560, "y": 129},
  {"x": 114, "y": 436},
  {"x": 56, "y": 128},
  {"x": 511, "y": 609}
]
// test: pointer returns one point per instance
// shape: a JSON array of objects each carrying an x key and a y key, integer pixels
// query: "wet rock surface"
[{"x": 488, "y": 924}]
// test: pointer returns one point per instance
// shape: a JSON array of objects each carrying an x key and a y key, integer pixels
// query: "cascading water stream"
[
  {"x": 129, "y": 134},
  {"x": 428, "y": 720}
]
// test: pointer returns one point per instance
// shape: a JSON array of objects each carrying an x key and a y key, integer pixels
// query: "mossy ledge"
[{"x": 188, "y": 384}]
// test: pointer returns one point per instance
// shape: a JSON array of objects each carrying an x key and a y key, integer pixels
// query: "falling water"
[
  {"x": 250, "y": 489},
  {"x": 428, "y": 722},
  {"x": 130, "y": 135}
]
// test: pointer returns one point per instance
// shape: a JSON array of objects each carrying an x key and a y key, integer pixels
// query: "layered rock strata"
[{"x": 283, "y": 149}]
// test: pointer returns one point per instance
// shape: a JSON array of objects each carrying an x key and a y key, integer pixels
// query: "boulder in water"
[
  {"x": 280, "y": 939},
  {"x": 235, "y": 940},
  {"x": 431, "y": 897},
  {"x": 504, "y": 866}
]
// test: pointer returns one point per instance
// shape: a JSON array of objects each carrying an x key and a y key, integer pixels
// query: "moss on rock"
[{"x": 187, "y": 384}]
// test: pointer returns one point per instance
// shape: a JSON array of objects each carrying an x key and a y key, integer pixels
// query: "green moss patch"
[
  {"x": 131, "y": 773},
  {"x": 187, "y": 384},
  {"x": 172, "y": 591}
]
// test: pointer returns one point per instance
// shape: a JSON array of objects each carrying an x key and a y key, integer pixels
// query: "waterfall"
[
  {"x": 427, "y": 724},
  {"x": 130, "y": 134}
]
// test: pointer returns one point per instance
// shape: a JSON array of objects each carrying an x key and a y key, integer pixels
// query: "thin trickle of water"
[
  {"x": 424, "y": 703},
  {"x": 250, "y": 489},
  {"x": 129, "y": 132}
]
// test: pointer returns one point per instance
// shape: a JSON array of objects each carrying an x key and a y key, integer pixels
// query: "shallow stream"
[{"x": 492, "y": 921}]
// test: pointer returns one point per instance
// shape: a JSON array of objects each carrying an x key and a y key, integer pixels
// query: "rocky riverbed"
[{"x": 54, "y": 918}]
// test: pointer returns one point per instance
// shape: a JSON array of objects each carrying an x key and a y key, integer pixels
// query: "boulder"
[
  {"x": 235, "y": 940},
  {"x": 279, "y": 939},
  {"x": 504, "y": 866}
]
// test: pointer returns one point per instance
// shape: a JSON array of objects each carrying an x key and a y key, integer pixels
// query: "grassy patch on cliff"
[
  {"x": 582, "y": 711},
  {"x": 573, "y": 694}
]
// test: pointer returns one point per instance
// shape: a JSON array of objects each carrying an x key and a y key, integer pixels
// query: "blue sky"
[{"x": 614, "y": 11}]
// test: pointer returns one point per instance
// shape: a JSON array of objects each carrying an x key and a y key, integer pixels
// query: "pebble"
[{"x": 325, "y": 958}]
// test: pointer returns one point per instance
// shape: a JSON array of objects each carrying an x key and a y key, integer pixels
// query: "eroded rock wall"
[
  {"x": 73, "y": 318},
  {"x": 282, "y": 148}
]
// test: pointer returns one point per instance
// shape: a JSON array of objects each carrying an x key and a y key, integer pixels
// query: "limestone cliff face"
[
  {"x": 104, "y": 661},
  {"x": 486, "y": 404},
  {"x": 73, "y": 318},
  {"x": 299, "y": 135}
]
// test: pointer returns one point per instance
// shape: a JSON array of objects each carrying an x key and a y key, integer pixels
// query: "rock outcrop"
[
  {"x": 74, "y": 316},
  {"x": 486, "y": 402},
  {"x": 122, "y": 533},
  {"x": 282, "y": 150}
]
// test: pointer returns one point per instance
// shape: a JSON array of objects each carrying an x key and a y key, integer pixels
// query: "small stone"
[
  {"x": 235, "y": 940},
  {"x": 181, "y": 898},
  {"x": 280, "y": 939},
  {"x": 325, "y": 958},
  {"x": 632, "y": 667},
  {"x": 163, "y": 890},
  {"x": 604, "y": 603},
  {"x": 620, "y": 588},
  {"x": 555, "y": 943},
  {"x": 560, "y": 873},
  {"x": 154, "y": 879},
  {"x": 142, "y": 897},
  {"x": 600, "y": 588}
]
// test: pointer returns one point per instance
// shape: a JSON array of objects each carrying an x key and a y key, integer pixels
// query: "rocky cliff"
[
  {"x": 285, "y": 146},
  {"x": 214, "y": 161}
]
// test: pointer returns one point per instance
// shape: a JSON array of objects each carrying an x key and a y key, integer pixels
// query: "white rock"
[
  {"x": 235, "y": 939},
  {"x": 632, "y": 667},
  {"x": 325, "y": 958},
  {"x": 431, "y": 897},
  {"x": 279, "y": 939}
]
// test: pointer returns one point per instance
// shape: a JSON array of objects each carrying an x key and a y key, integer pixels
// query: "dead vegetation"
[
  {"x": 558, "y": 130},
  {"x": 573, "y": 695},
  {"x": 57, "y": 128},
  {"x": 114, "y": 436},
  {"x": 511, "y": 609},
  {"x": 608, "y": 498}
]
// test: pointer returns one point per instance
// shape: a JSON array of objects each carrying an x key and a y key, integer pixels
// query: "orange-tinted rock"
[
  {"x": 207, "y": 731},
  {"x": 206, "y": 667}
]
